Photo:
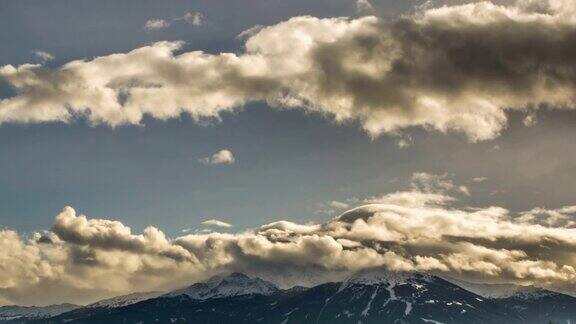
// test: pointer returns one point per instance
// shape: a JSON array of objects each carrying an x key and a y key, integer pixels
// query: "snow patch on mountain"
[
  {"x": 125, "y": 300},
  {"x": 426, "y": 320},
  {"x": 369, "y": 305}
]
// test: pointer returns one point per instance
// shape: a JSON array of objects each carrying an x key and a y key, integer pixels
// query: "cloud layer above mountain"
[
  {"x": 456, "y": 68},
  {"x": 416, "y": 230}
]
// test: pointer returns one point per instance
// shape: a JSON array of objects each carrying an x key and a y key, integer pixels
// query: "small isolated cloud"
[
  {"x": 530, "y": 120},
  {"x": 196, "y": 231},
  {"x": 193, "y": 18},
  {"x": 221, "y": 157},
  {"x": 338, "y": 204},
  {"x": 479, "y": 179},
  {"x": 217, "y": 223},
  {"x": 44, "y": 56},
  {"x": 404, "y": 141},
  {"x": 364, "y": 6},
  {"x": 156, "y": 24}
]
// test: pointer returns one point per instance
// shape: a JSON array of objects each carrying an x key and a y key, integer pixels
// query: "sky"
[{"x": 203, "y": 136}]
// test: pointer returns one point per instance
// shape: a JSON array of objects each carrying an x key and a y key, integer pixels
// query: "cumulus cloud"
[
  {"x": 156, "y": 24},
  {"x": 217, "y": 223},
  {"x": 457, "y": 68},
  {"x": 221, "y": 157},
  {"x": 84, "y": 259}
]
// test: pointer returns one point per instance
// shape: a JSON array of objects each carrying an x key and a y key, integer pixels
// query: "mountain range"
[{"x": 372, "y": 296}]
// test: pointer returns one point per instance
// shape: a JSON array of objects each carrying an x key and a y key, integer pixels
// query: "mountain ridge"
[{"x": 370, "y": 296}]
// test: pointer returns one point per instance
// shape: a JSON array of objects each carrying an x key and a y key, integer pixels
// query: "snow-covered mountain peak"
[
  {"x": 378, "y": 276},
  {"x": 235, "y": 284}
]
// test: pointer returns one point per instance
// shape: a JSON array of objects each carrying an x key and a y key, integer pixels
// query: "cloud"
[
  {"x": 530, "y": 120},
  {"x": 458, "y": 68},
  {"x": 84, "y": 259},
  {"x": 364, "y": 6},
  {"x": 221, "y": 157},
  {"x": 193, "y": 18},
  {"x": 250, "y": 32},
  {"x": 479, "y": 179},
  {"x": 404, "y": 141},
  {"x": 216, "y": 223},
  {"x": 44, "y": 56},
  {"x": 564, "y": 217},
  {"x": 338, "y": 204},
  {"x": 156, "y": 24}
]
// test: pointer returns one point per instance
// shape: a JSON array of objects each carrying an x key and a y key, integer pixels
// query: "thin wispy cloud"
[
  {"x": 364, "y": 6},
  {"x": 44, "y": 56},
  {"x": 338, "y": 204},
  {"x": 193, "y": 18},
  {"x": 216, "y": 223},
  {"x": 156, "y": 24}
]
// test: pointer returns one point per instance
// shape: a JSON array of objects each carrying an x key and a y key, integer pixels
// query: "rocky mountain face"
[{"x": 374, "y": 296}]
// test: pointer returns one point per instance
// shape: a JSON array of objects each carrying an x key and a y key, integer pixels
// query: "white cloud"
[
  {"x": 217, "y": 223},
  {"x": 221, "y": 157},
  {"x": 414, "y": 198},
  {"x": 44, "y": 56},
  {"x": 479, "y": 179},
  {"x": 338, "y": 204},
  {"x": 156, "y": 24},
  {"x": 305, "y": 63},
  {"x": 193, "y": 18},
  {"x": 530, "y": 120},
  {"x": 364, "y": 6},
  {"x": 404, "y": 141}
]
